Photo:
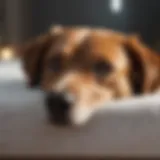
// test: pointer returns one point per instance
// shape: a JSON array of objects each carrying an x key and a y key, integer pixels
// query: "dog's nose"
[{"x": 58, "y": 108}]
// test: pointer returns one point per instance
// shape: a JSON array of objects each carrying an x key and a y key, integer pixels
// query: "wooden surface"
[{"x": 126, "y": 128}]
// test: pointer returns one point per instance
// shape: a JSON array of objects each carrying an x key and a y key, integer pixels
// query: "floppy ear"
[
  {"x": 144, "y": 65},
  {"x": 32, "y": 55}
]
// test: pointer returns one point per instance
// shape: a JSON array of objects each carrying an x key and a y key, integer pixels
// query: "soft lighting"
[
  {"x": 116, "y": 5},
  {"x": 6, "y": 53}
]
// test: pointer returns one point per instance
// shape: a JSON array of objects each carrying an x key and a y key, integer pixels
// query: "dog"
[{"x": 82, "y": 68}]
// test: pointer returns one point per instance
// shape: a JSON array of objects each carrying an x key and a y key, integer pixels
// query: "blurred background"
[{"x": 23, "y": 19}]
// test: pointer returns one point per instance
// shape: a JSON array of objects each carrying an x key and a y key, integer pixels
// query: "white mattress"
[{"x": 125, "y": 128}]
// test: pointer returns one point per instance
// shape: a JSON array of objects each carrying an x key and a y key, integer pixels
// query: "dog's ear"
[
  {"x": 144, "y": 65},
  {"x": 33, "y": 54}
]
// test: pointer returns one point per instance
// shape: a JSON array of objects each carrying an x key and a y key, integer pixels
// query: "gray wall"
[{"x": 35, "y": 16}]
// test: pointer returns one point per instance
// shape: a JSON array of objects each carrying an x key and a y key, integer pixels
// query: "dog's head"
[{"x": 86, "y": 68}]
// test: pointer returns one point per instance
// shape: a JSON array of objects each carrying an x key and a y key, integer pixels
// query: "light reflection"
[{"x": 6, "y": 53}]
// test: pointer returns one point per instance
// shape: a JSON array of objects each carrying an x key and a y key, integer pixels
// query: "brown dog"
[{"x": 81, "y": 68}]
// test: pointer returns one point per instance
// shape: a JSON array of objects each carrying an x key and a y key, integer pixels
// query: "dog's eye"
[
  {"x": 55, "y": 64},
  {"x": 102, "y": 68}
]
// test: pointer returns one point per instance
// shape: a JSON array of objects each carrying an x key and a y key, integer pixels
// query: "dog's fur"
[{"x": 92, "y": 66}]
